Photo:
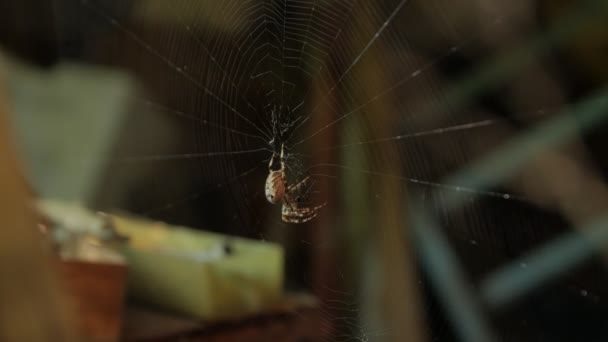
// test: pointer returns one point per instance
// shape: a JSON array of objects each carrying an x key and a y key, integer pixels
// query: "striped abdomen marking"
[{"x": 275, "y": 187}]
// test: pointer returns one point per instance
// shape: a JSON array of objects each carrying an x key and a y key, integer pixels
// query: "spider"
[{"x": 278, "y": 190}]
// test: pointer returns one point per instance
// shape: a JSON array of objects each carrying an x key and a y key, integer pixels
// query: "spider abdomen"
[{"x": 275, "y": 187}]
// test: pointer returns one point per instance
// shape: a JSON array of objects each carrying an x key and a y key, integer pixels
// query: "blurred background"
[{"x": 459, "y": 148}]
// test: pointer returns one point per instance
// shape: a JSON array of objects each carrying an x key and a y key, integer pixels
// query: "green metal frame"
[{"x": 464, "y": 304}]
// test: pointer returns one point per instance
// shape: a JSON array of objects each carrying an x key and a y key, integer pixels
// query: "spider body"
[
  {"x": 276, "y": 184},
  {"x": 278, "y": 190}
]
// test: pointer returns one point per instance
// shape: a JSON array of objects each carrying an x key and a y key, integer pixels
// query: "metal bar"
[
  {"x": 449, "y": 280},
  {"x": 506, "y": 160},
  {"x": 439, "y": 261},
  {"x": 547, "y": 262}
]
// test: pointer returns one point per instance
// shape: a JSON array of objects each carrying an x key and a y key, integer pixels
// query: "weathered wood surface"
[{"x": 294, "y": 319}]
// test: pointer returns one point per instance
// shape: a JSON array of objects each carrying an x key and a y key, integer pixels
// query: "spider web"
[{"x": 349, "y": 87}]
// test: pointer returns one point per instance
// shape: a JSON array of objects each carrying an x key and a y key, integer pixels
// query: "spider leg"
[
  {"x": 282, "y": 157},
  {"x": 319, "y": 206},
  {"x": 297, "y": 186},
  {"x": 292, "y": 216},
  {"x": 291, "y": 197},
  {"x": 271, "y": 161},
  {"x": 299, "y": 215}
]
